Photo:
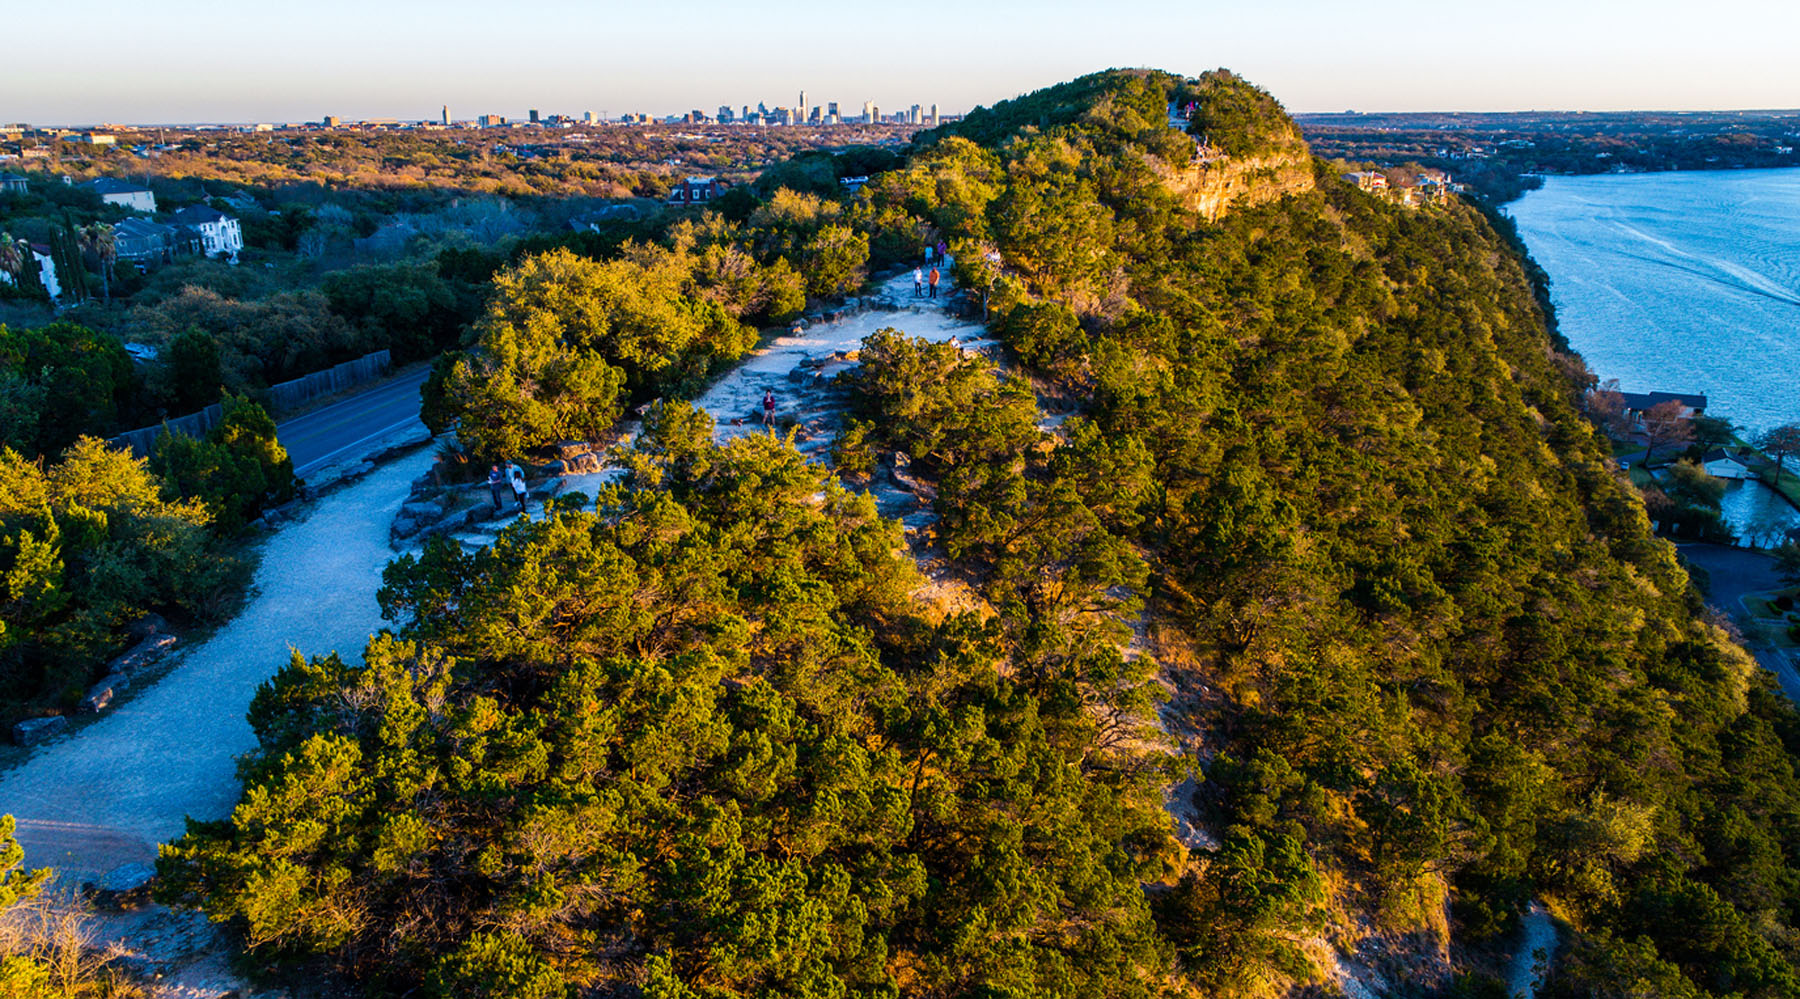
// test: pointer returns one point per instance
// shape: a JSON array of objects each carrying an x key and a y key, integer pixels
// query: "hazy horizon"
[{"x": 191, "y": 62}]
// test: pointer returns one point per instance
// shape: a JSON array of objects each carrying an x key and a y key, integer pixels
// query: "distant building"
[
  {"x": 1368, "y": 180},
  {"x": 587, "y": 117},
  {"x": 12, "y": 183},
  {"x": 140, "y": 240},
  {"x": 912, "y": 114},
  {"x": 934, "y": 116},
  {"x": 800, "y": 112},
  {"x": 331, "y": 121},
  {"x": 219, "y": 234},
  {"x": 870, "y": 112},
  {"x": 814, "y": 117},
  {"x": 1722, "y": 464},
  {"x": 446, "y": 115},
  {"x": 696, "y": 191},
  {"x": 1638, "y": 403},
  {"x": 492, "y": 120},
  {"x": 726, "y": 114},
  {"x": 113, "y": 191},
  {"x": 46, "y": 270}
]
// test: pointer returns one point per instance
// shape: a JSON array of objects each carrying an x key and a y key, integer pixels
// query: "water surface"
[
  {"x": 1683, "y": 282},
  {"x": 1679, "y": 282}
]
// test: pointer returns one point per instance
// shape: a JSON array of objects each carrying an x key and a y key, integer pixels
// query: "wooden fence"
[{"x": 283, "y": 398}]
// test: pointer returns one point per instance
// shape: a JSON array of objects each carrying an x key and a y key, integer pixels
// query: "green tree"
[{"x": 239, "y": 468}]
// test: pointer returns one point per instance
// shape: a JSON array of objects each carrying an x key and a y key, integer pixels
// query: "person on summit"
[
  {"x": 769, "y": 408},
  {"x": 516, "y": 476},
  {"x": 918, "y": 284},
  {"x": 934, "y": 282}
]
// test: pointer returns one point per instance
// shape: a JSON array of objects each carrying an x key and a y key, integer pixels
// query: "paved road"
[
  {"x": 313, "y": 440},
  {"x": 109, "y": 793},
  {"x": 1735, "y": 573}
]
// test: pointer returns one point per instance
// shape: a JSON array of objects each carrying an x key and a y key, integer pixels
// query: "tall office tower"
[
  {"x": 831, "y": 109},
  {"x": 934, "y": 116},
  {"x": 869, "y": 112},
  {"x": 725, "y": 114},
  {"x": 912, "y": 115},
  {"x": 446, "y": 114},
  {"x": 813, "y": 117},
  {"x": 587, "y": 117},
  {"x": 800, "y": 112},
  {"x": 534, "y": 116}
]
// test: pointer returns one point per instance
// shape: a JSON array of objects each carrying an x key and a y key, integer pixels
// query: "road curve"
[{"x": 333, "y": 433}]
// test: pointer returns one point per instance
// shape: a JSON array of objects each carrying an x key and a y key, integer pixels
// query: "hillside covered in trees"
[{"x": 1316, "y": 520}]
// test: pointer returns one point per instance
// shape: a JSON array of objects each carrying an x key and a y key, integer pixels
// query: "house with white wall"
[
  {"x": 46, "y": 270},
  {"x": 219, "y": 234},
  {"x": 125, "y": 194}
]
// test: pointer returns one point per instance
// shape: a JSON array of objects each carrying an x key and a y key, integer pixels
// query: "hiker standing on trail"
[
  {"x": 516, "y": 476},
  {"x": 494, "y": 481},
  {"x": 918, "y": 284},
  {"x": 934, "y": 281},
  {"x": 769, "y": 408},
  {"x": 928, "y": 249}
]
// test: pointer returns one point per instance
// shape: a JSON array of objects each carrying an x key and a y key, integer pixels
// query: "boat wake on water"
[{"x": 1724, "y": 272}]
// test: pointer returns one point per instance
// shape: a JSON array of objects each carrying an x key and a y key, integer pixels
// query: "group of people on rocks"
[
  {"x": 513, "y": 476},
  {"x": 936, "y": 257}
]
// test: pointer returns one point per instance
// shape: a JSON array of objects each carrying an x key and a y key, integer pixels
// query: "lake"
[{"x": 1682, "y": 282}]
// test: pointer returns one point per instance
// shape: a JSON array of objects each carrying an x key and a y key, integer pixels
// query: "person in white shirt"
[{"x": 516, "y": 476}]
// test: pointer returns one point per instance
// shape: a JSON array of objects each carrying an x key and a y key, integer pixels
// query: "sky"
[{"x": 150, "y": 61}]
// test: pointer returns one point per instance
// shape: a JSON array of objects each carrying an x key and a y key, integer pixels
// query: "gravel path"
[
  {"x": 739, "y": 394},
  {"x": 1537, "y": 952},
  {"x": 107, "y": 794}
]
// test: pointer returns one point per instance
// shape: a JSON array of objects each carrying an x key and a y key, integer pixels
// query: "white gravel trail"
[
  {"x": 739, "y": 394},
  {"x": 108, "y": 793}
]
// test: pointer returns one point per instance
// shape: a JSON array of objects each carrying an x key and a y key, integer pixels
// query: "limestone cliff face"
[{"x": 1211, "y": 185}]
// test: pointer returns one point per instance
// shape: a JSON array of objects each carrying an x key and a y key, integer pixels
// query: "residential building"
[
  {"x": 140, "y": 240},
  {"x": 12, "y": 183},
  {"x": 1368, "y": 180},
  {"x": 46, "y": 265},
  {"x": 220, "y": 234},
  {"x": 1722, "y": 464},
  {"x": 125, "y": 194},
  {"x": 696, "y": 191},
  {"x": 1638, "y": 403}
]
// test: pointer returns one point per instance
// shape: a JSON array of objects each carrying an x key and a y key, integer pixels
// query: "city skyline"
[{"x": 406, "y": 59}]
